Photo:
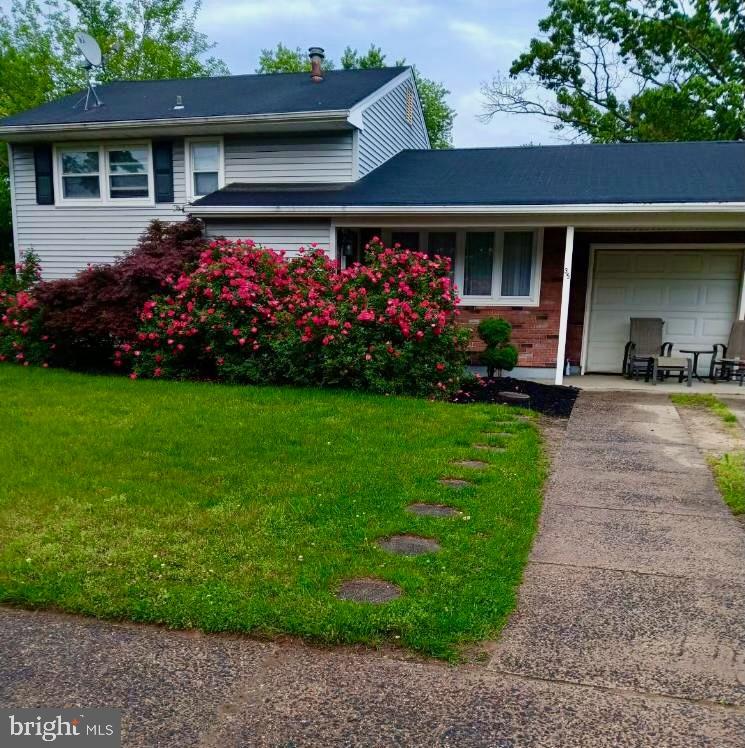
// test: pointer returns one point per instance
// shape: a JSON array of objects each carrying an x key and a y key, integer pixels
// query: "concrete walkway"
[{"x": 630, "y": 632}]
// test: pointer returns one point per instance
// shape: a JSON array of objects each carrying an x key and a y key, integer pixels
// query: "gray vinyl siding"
[
  {"x": 385, "y": 130},
  {"x": 68, "y": 238},
  {"x": 290, "y": 159},
  {"x": 288, "y": 234}
]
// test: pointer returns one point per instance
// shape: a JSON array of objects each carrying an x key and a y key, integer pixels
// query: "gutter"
[
  {"x": 333, "y": 115},
  {"x": 591, "y": 208}
]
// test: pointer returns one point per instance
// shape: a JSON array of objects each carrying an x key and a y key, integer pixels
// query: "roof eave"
[
  {"x": 336, "y": 117},
  {"x": 629, "y": 216},
  {"x": 567, "y": 209}
]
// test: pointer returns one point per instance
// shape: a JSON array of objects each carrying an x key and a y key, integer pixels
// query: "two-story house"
[{"x": 567, "y": 242}]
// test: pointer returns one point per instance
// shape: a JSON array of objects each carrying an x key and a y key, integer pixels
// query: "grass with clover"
[{"x": 242, "y": 508}]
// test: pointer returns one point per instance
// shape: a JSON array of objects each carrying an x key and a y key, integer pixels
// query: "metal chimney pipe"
[{"x": 316, "y": 58}]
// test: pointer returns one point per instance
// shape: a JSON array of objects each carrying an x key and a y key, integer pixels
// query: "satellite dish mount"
[{"x": 88, "y": 47}]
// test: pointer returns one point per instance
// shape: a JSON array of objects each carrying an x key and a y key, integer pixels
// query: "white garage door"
[{"x": 695, "y": 292}]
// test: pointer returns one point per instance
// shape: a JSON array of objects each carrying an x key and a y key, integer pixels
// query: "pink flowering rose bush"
[
  {"x": 249, "y": 314},
  {"x": 22, "y": 339}
]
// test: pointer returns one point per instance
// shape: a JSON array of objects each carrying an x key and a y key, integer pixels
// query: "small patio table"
[{"x": 695, "y": 355}]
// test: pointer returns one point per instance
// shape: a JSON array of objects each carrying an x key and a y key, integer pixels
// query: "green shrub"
[
  {"x": 500, "y": 355},
  {"x": 247, "y": 314}
]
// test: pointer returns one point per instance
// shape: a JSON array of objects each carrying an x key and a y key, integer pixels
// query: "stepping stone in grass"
[
  {"x": 455, "y": 482},
  {"x": 409, "y": 545},
  {"x": 368, "y": 590},
  {"x": 490, "y": 447},
  {"x": 515, "y": 398},
  {"x": 473, "y": 464},
  {"x": 433, "y": 510}
]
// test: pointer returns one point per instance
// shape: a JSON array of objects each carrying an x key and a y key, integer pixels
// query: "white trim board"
[
  {"x": 13, "y": 207},
  {"x": 604, "y": 208}
]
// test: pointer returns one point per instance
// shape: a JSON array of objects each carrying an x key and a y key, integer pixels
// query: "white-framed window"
[
  {"x": 205, "y": 170},
  {"x": 491, "y": 267},
  {"x": 111, "y": 173},
  {"x": 80, "y": 173},
  {"x": 128, "y": 170}
]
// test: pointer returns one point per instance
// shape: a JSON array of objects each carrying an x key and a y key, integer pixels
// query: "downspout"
[{"x": 566, "y": 283}]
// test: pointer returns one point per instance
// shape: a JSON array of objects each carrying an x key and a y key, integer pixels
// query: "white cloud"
[
  {"x": 482, "y": 41},
  {"x": 368, "y": 14}
]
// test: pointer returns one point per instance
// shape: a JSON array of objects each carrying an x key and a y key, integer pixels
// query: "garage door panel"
[
  {"x": 716, "y": 328},
  {"x": 610, "y": 295},
  {"x": 651, "y": 263},
  {"x": 685, "y": 294},
  {"x": 676, "y": 329},
  {"x": 647, "y": 295},
  {"x": 726, "y": 264},
  {"x": 686, "y": 264},
  {"x": 695, "y": 292},
  {"x": 614, "y": 263},
  {"x": 719, "y": 294}
]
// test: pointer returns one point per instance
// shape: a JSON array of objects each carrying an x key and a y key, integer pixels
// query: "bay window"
[{"x": 489, "y": 267}]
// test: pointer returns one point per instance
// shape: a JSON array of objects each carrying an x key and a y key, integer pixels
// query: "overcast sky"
[{"x": 460, "y": 43}]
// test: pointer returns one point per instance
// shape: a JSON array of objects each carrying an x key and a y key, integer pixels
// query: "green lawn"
[{"x": 242, "y": 509}]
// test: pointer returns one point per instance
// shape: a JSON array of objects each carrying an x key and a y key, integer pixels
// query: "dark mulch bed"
[{"x": 550, "y": 399}]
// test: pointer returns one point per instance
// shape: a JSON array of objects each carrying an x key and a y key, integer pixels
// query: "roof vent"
[
  {"x": 316, "y": 58},
  {"x": 179, "y": 103}
]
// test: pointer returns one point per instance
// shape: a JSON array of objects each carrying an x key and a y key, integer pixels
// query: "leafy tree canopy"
[
  {"x": 438, "y": 115},
  {"x": 632, "y": 70}
]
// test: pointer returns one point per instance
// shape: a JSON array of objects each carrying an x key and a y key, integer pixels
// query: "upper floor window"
[
  {"x": 205, "y": 166},
  {"x": 119, "y": 172},
  {"x": 128, "y": 172},
  {"x": 80, "y": 174}
]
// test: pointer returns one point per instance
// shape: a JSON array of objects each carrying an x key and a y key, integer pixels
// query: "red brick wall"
[{"x": 535, "y": 330}]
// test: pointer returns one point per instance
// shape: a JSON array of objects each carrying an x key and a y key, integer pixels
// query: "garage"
[{"x": 696, "y": 292}]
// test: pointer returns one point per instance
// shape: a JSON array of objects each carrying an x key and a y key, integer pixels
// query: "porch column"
[{"x": 564, "y": 313}]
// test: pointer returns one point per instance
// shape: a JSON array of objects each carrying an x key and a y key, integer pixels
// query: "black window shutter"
[
  {"x": 43, "y": 169},
  {"x": 163, "y": 169}
]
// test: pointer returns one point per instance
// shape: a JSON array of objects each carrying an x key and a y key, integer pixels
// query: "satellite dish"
[{"x": 88, "y": 47}]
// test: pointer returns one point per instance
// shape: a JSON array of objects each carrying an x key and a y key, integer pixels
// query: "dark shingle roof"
[
  {"x": 532, "y": 175},
  {"x": 236, "y": 95}
]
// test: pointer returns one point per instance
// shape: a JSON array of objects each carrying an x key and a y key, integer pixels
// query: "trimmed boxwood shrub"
[
  {"x": 248, "y": 314},
  {"x": 90, "y": 315},
  {"x": 499, "y": 354}
]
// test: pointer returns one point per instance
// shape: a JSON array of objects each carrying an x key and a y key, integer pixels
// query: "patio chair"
[
  {"x": 727, "y": 360},
  {"x": 645, "y": 343}
]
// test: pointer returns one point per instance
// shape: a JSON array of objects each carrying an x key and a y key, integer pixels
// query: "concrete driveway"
[{"x": 630, "y": 631}]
